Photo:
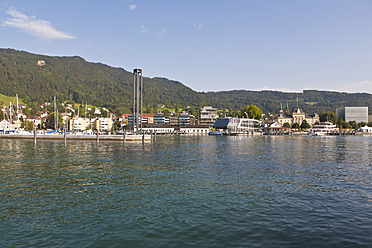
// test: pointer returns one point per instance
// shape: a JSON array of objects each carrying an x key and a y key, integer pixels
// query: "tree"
[
  {"x": 49, "y": 121},
  {"x": 166, "y": 112},
  {"x": 362, "y": 124},
  {"x": 353, "y": 124},
  {"x": 287, "y": 125},
  {"x": 117, "y": 125},
  {"x": 346, "y": 125},
  {"x": 252, "y": 111},
  {"x": 29, "y": 125},
  {"x": 340, "y": 122},
  {"x": 328, "y": 116},
  {"x": 305, "y": 125},
  {"x": 296, "y": 125}
]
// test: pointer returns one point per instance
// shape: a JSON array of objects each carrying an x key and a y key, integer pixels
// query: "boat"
[
  {"x": 323, "y": 128},
  {"x": 236, "y": 126},
  {"x": 215, "y": 133},
  {"x": 243, "y": 126}
]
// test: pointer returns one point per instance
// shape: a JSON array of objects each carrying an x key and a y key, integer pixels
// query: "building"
[
  {"x": 167, "y": 129},
  {"x": 357, "y": 114},
  {"x": 194, "y": 130},
  {"x": 78, "y": 124},
  {"x": 5, "y": 125},
  {"x": 104, "y": 124},
  {"x": 365, "y": 129},
  {"x": 183, "y": 119},
  {"x": 173, "y": 121},
  {"x": 34, "y": 119},
  {"x": 147, "y": 118},
  {"x": 159, "y": 118},
  {"x": 296, "y": 116},
  {"x": 208, "y": 115}
]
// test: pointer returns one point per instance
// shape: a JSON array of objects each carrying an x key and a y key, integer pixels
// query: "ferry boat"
[
  {"x": 243, "y": 126},
  {"x": 323, "y": 128},
  {"x": 236, "y": 126}
]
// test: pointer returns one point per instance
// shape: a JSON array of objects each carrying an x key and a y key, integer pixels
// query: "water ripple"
[{"x": 187, "y": 192}]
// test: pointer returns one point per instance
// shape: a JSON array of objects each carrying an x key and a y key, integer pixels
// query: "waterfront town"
[{"x": 89, "y": 121}]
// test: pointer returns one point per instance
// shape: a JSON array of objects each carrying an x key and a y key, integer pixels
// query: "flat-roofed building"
[
  {"x": 173, "y": 121},
  {"x": 105, "y": 124},
  {"x": 78, "y": 124},
  {"x": 159, "y": 118},
  {"x": 357, "y": 114},
  {"x": 183, "y": 119},
  {"x": 208, "y": 115}
]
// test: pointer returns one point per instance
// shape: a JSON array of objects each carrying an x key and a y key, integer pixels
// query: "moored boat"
[{"x": 323, "y": 128}]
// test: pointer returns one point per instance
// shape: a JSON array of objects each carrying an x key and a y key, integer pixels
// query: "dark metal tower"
[{"x": 137, "y": 100}]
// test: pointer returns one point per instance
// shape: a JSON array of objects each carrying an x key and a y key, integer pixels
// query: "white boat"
[
  {"x": 323, "y": 128},
  {"x": 243, "y": 126}
]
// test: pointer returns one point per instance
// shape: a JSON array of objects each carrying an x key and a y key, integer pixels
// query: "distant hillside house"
[
  {"x": 297, "y": 116},
  {"x": 97, "y": 111},
  {"x": 41, "y": 63}
]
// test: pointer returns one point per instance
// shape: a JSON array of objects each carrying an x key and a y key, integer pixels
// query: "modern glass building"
[
  {"x": 357, "y": 114},
  {"x": 183, "y": 120},
  {"x": 159, "y": 118}
]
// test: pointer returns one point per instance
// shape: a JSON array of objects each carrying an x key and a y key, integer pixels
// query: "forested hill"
[
  {"x": 312, "y": 101},
  {"x": 74, "y": 79}
]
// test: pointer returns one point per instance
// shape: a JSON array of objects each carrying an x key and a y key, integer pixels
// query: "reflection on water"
[{"x": 187, "y": 191}]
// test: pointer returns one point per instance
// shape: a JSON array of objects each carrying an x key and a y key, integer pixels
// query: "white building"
[
  {"x": 163, "y": 129},
  {"x": 97, "y": 111},
  {"x": 103, "y": 124},
  {"x": 5, "y": 125},
  {"x": 208, "y": 115},
  {"x": 365, "y": 129},
  {"x": 36, "y": 120},
  {"x": 78, "y": 124},
  {"x": 194, "y": 130}
]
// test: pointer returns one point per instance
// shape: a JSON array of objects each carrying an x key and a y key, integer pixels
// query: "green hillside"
[
  {"x": 269, "y": 101},
  {"x": 6, "y": 100},
  {"x": 76, "y": 80}
]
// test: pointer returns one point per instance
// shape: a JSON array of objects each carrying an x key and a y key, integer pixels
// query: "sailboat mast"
[
  {"x": 55, "y": 113},
  {"x": 17, "y": 106},
  {"x": 10, "y": 113}
]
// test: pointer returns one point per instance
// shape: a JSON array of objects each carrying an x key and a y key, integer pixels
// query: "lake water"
[{"x": 196, "y": 191}]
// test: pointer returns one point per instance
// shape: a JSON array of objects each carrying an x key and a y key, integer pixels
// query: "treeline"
[{"x": 76, "y": 80}]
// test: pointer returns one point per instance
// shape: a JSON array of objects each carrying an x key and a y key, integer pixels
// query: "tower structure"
[{"x": 137, "y": 100}]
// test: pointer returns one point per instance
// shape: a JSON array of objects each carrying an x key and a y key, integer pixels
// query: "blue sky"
[{"x": 208, "y": 45}]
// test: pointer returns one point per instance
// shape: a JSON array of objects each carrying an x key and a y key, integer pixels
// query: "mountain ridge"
[{"x": 75, "y": 79}]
